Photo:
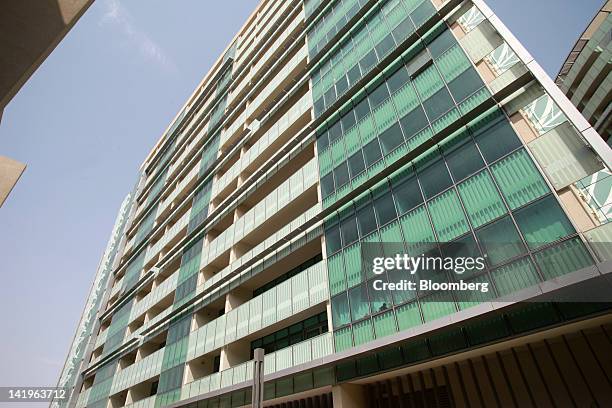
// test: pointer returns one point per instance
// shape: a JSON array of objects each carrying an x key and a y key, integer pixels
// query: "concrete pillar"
[
  {"x": 349, "y": 396},
  {"x": 234, "y": 354},
  {"x": 237, "y": 251},
  {"x": 235, "y": 298}
]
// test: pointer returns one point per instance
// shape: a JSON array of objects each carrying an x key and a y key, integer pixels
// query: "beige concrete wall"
[
  {"x": 29, "y": 31},
  {"x": 10, "y": 171}
]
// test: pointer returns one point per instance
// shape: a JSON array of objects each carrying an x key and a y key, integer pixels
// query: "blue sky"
[{"x": 88, "y": 117}]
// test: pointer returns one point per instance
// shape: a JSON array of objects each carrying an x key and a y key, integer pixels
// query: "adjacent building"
[
  {"x": 324, "y": 128},
  {"x": 585, "y": 74},
  {"x": 29, "y": 31}
]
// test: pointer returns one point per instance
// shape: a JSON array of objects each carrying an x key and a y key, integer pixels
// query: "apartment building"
[
  {"x": 585, "y": 79},
  {"x": 326, "y": 127},
  {"x": 584, "y": 76}
]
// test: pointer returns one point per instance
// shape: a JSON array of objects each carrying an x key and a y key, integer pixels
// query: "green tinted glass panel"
[
  {"x": 352, "y": 260},
  {"x": 566, "y": 257},
  {"x": 515, "y": 276},
  {"x": 405, "y": 99},
  {"x": 452, "y": 63},
  {"x": 434, "y": 307},
  {"x": 408, "y": 316},
  {"x": 481, "y": 199},
  {"x": 428, "y": 82},
  {"x": 384, "y": 324},
  {"x": 518, "y": 179},
  {"x": 543, "y": 222},
  {"x": 335, "y": 270},
  {"x": 362, "y": 332},
  {"x": 447, "y": 216},
  {"x": 343, "y": 339},
  {"x": 417, "y": 228}
]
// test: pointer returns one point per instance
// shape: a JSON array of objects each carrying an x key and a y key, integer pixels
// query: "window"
[
  {"x": 340, "y": 310},
  {"x": 441, "y": 43},
  {"x": 380, "y": 300},
  {"x": 391, "y": 138},
  {"x": 362, "y": 109},
  {"x": 413, "y": 122},
  {"x": 332, "y": 238},
  {"x": 342, "y": 85},
  {"x": 341, "y": 174},
  {"x": 353, "y": 74},
  {"x": 358, "y": 298},
  {"x": 335, "y": 132},
  {"x": 379, "y": 95},
  {"x": 407, "y": 195},
  {"x": 543, "y": 222},
  {"x": 348, "y": 228},
  {"x": 368, "y": 62},
  {"x": 438, "y": 104},
  {"x": 465, "y": 85},
  {"x": 356, "y": 164},
  {"x": 433, "y": 175},
  {"x": 463, "y": 157},
  {"x": 497, "y": 140},
  {"x": 403, "y": 30},
  {"x": 422, "y": 13},
  {"x": 500, "y": 241},
  {"x": 322, "y": 142},
  {"x": 330, "y": 96},
  {"x": 327, "y": 185},
  {"x": 366, "y": 220},
  {"x": 348, "y": 120},
  {"x": 372, "y": 152},
  {"x": 398, "y": 79},
  {"x": 385, "y": 208}
]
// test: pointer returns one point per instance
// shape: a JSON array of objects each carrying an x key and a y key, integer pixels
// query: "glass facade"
[{"x": 367, "y": 126}]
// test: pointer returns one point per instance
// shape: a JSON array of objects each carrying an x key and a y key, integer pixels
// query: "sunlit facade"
[{"x": 326, "y": 126}]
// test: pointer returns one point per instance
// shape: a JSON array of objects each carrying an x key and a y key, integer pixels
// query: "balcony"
[
  {"x": 259, "y": 248},
  {"x": 157, "y": 294},
  {"x": 283, "y": 79},
  {"x": 305, "y": 290},
  {"x": 143, "y": 403},
  {"x": 138, "y": 372},
  {"x": 292, "y": 356},
  {"x": 248, "y": 228},
  {"x": 255, "y": 154},
  {"x": 169, "y": 236}
]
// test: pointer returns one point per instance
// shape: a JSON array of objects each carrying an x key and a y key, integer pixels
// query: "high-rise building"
[
  {"x": 585, "y": 74},
  {"x": 326, "y": 130}
]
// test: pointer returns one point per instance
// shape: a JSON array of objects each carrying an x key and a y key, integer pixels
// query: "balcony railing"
[
  {"x": 259, "y": 248},
  {"x": 281, "y": 77},
  {"x": 148, "y": 367},
  {"x": 155, "y": 296},
  {"x": 269, "y": 137},
  {"x": 83, "y": 398},
  {"x": 101, "y": 339},
  {"x": 168, "y": 236},
  {"x": 304, "y": 290},
  {"x": 288, "y": 191},
  {"x": 300, "y": 353},
  {"x": 148, "y": 402}
]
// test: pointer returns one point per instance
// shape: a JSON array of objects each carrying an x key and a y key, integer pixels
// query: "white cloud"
[{"x": 118, "y": 16}]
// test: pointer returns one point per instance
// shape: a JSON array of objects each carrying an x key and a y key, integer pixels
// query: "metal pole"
[{"x": 258, "y": 378}]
